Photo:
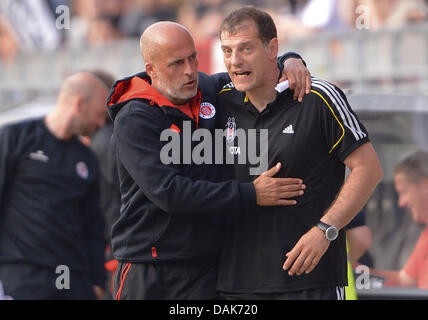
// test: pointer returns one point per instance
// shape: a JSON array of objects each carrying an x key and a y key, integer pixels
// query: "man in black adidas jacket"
[
  {"x": 168, "y": 236},
  {"x": 317, "y": 139}
]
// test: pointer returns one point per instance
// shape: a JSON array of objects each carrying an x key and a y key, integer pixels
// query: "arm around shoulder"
[{"x": 167, "y": 185}]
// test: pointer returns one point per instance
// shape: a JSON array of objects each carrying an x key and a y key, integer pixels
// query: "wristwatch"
[{"x": 331, "y": 232}]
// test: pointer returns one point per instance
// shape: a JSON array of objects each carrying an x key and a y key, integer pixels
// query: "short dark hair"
[
  {"x": 104, "y": 76},
  {"x": 264, "y": 22},
  {"x": 415, "y": 166}
]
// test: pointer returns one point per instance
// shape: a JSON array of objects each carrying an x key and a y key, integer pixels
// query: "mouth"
[
  {"x": 190, "y": 83},
  {"x": 241, "y": 74}
]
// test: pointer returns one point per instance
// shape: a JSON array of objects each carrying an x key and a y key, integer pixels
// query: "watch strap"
[{"x": 323, "y": 226}]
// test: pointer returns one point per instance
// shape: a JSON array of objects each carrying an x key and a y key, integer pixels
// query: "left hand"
[
  {"x": 306, "y": 254},
  {"x": 298, "y": 77}
]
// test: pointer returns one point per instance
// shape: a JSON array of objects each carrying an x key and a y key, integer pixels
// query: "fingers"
[
  {"x": 285, "y": 202},
  {"x": 272, "y": 171},
  {"x": 299, "y": 86},
  {"x": 288, "y": 181},
  {"x": 300, "y": 82},
  {"x": 285, "y": 190},
  {"x": 298, "y": 76},
  {"x": 305, "y": 262},
  {"x": 283, "y": 78},
  {"x": 272, "y": 191},
  {"x": 307, "y": 253},
  {"x": 298, "y": 261},
  {"x": 284, "y": 198},
  {"x": 292, "y": 81},
  {"x": 306, "y": 266},
  {"x": 304, "y": 84},
  {"x": 291, "y": 257},
  {"x": 291, "y": 191},
  {"x": 308, "y": 82},
  {"x": 286, "y": 193},
  {"x": 290, "y": 194},
  {"x": 312, "y": 266}
]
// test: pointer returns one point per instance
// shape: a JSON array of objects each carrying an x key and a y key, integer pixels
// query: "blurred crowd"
[{"x": 27, "y": 25}]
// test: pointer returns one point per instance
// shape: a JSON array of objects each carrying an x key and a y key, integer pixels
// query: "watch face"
[{"x": 331, "y": 233}]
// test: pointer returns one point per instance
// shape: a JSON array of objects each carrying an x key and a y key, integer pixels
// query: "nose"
[
  {"x": 236, "y": 59},
  {"x": 190, "y": 67},
  {"x": 402, "y": 202}
]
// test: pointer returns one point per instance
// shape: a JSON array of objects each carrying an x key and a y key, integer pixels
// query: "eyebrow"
[
  {"x": 194, "y": 54},
  {"x": 241, "y": 44}
]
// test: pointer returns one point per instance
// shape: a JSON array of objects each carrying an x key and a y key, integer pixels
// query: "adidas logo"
[{"x": 289, "y": 129}]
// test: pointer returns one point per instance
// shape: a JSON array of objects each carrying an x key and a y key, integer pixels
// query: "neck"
[
  {"x": 261, "y": 96},
  {"x": 58, "y": 124}
]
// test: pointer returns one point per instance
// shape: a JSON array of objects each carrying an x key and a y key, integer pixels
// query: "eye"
[
  {"x": 176, "y": 63},
  {"x": 227, "y": 51}
]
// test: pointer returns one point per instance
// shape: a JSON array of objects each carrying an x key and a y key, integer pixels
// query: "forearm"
[
  {"x": 351, "y": 199},
  {"x": 365, "y": 174},
  {"x": 394, "y": 278},
  {"x": 171, "y": 187}
]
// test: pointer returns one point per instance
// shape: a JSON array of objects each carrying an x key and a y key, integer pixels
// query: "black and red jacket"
[{"x": 169, "y": 212}]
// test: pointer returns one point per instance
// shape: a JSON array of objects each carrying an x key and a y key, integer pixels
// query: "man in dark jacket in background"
[
  {"x": 168, "y": 236},
  {"x": 51, "y": 227}
]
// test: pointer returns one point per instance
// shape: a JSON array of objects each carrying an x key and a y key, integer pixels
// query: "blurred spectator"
[
  {"x": 203, "y": 19},
  {"x": 306, "y": 17},
  {"x": 207, "y": 41},
  {"x": 54, "y": 4},
  {"x": 411, "y": 183},
  {"x": 393, "y": 14},
  {"x": 83, "y": 12},
  {"x": 359, "y": 237},
  {"x": 325, "y": 15},
  {"x": 49, "y": 199},
  {"x": 31, "y": 24},
  {"x": 142, "y": 13},
  {"x": 101, "y": 30},
  {"x": 8, "y": 44},
  {"x": 115, "y": 9}
]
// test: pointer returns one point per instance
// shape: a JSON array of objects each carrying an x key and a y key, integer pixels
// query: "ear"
[
  {"x": 273, "y": 48},
  {"x": 150, "y": 70},
  {"x": 78, "y": 104}
]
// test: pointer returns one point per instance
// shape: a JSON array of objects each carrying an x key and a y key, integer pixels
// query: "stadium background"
[{"x": 375, "y": 50}]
